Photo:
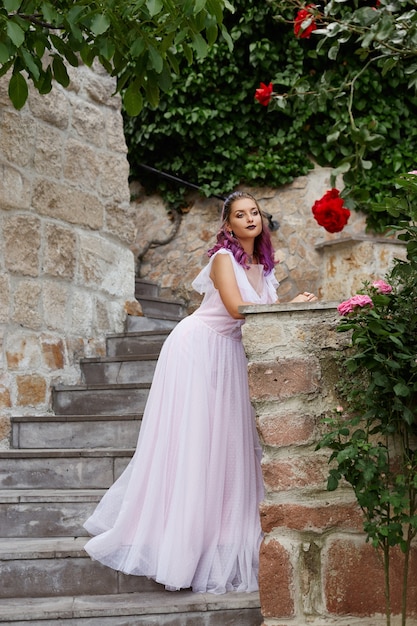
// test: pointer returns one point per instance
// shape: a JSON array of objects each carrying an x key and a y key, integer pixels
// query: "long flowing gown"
[{"x": 185, "y": 510}]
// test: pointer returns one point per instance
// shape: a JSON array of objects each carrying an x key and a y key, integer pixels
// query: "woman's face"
[{"x": 245, "y": 219}]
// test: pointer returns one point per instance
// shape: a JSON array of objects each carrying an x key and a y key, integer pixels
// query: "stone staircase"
[{"x": 55, "y": 473}]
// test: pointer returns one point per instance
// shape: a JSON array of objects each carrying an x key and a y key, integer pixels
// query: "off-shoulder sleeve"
[{"x": 203, "y": 282}]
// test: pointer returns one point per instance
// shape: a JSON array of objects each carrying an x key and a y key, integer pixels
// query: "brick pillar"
[{"x": 314, "y": 564}]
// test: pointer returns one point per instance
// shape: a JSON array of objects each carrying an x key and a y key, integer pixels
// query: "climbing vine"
[{"x": 209, "y": 130}]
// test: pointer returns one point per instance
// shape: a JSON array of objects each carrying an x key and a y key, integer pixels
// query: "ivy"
[{"x": 209, "y": 130}]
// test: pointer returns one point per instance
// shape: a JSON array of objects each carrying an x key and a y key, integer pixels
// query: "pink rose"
[
  {"x": 356, "y": 301},
  {"x": 413, "y": 172},
  {"x": 381, "y": 286}
]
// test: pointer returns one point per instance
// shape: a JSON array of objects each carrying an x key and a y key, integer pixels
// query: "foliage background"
[{"x": 209, "y": 130}]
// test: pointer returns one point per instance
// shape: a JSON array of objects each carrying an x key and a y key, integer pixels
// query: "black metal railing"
[{"x": 273, "y": 224}]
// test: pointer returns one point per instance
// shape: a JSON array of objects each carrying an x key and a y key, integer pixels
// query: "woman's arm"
[{"x": 223, "y": 276}]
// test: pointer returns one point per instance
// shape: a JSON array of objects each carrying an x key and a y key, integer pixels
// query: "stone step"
[
  {"x": 119, "y": 369},
  {"x": 59, "y": 566},
  {"x": 145, "y": 287},
  {"x": 62, "y": 469},
  {"x": 140, "y": 324},
  {"x": 156, "y": 608},
  {"x": 161, "y": 308},
  {"x": 75, "y": 431},
  {"x": 41, "y": 513},
  {"x": 132, "y": 344},
  {"x": 118, "y": 399}
]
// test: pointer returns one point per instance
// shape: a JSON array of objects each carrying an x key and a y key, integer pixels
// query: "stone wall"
[
  {"x": 66, "y": 226},
  {"x": 331, "y": 265},
  {"x": 315, "y": 565}
]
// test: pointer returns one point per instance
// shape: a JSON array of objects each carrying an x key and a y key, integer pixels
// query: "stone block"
[
  {"x": 26, "y": 304},
  {"x": 121, "y": 221},
  {"x": 276, "y": 580},
  {"x": 59, "y": 255},
  {"x": 53, "y": 107},
  {"x": 313, "y": 518},
  {"x": 81, "y": 313},
  {"x": 15, "y": 188},
  {"x": 5, "y": 401},
  {"x": 23, "y": 351},
  {"x": 48, "y": 153},
  {"x": 5, "y": 298},
  {"x": 17, "y": 138},
  {"x": 287, "y": 429},
  {"x": 116, "y": 141},
  {"x": 5, "y": 427},
  {"x": 284, "y": 378},
  {"x": 31, "y": 390},
  {"x": 296, "y": 472},
  {"x": 88, "y": 122},
  {"x": 62, "y": 202},
  {"x": 22, "y": 242},
  {"x": 82, "y": 164},
  {"x": 354, "y": 579},
  {"x": 101, "y": 90},
  {"x": 106, "y": 266},
  {"x": 56, "y": 301},
  {"x": 53, "y": 352},
  {"x": 114, "y": 175}
]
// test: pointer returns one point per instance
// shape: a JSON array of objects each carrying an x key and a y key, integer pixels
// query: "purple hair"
[{"x": 262, "y": 246}]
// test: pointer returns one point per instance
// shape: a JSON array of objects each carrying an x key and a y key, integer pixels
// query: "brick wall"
[
  {"x": 315, "y": 566},
  {"x": 66, "y": 226}
]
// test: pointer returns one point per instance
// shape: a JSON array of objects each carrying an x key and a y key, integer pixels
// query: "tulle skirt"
[{"x": 185, "y": 510}]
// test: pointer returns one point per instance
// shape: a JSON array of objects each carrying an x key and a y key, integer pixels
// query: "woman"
[{"x": 185, "y": 510}]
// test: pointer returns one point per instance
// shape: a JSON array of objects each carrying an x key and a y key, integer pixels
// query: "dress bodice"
[{"x": 253, "y": 285}]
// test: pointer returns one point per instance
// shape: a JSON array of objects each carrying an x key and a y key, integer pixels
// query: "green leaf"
[
  {"x": 200, "y": 45},
  {"x": 30, "y": 63},
  {"x": 15, "y": 33},
  {"x": 401, "y": 390},
  {"x": 11, "y": 5},
  {"x": 154, "y": 7},
  {"x": 60, "y": 71},
  {"x": 198, "y": 6},
  {"x": 132, "y": 99},
  {"x": 18, "y": 90},
  {"x": 334, "y": 51},
  {"x": 100, "y": 24},
  {"x": 4, "y": 53},
  {"x": 156, "y": 60},
  {"x": 332, "y": 483}
]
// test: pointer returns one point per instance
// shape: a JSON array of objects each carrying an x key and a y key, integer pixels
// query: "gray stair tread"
[
  {"x": 156, "y": 333},
  {"x": 121, "y": 357},
  {"x": 107, "y": 387},
  {"x": 64, "y": 452},
  {"x": 151, "y": 603},
  {"x": 12, "y": 496},
  {"x": 140, "y": 324},
  {"x": 42, "y": 548},
  {"x": 76, "y": 418}
]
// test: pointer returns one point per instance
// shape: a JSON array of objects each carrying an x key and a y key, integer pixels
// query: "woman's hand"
[{"x": 306, "y": 296}]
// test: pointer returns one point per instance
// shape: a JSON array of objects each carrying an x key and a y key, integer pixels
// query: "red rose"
[
  {"x": 330, "y": 213},
  {"x": 303, "y": 15},
  {"x": 264, "y": 94}
]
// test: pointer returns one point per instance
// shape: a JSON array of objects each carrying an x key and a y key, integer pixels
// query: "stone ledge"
[
  {"x": 286, "y": 307},
  {"x": 356, "y": 239}
]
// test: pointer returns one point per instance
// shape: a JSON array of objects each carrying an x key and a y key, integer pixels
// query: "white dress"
[{"x": 185, "y": 510}]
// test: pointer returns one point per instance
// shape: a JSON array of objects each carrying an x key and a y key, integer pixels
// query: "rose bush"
[
  {"x": 373, "y": 443},
  {"x": 330, "y": 213}
]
